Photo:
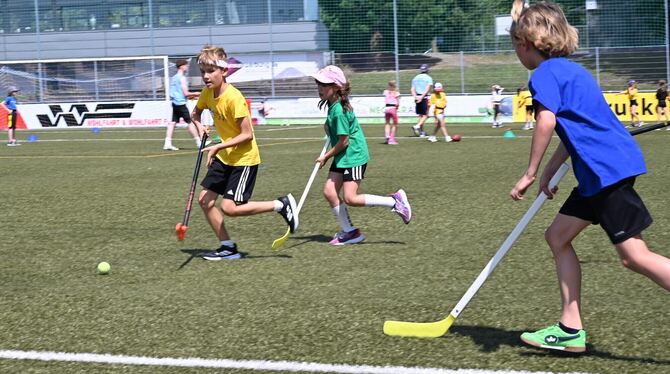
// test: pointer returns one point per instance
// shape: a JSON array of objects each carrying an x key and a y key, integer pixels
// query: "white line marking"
[{"x": 194, "y": 362}]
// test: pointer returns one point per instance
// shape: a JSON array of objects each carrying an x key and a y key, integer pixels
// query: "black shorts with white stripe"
[
  {"x": 232, "y": 182},
  {"x": 355, "y": 173}
]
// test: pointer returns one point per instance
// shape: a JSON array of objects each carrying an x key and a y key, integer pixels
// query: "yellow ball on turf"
[{"x": 103, "y": 268}]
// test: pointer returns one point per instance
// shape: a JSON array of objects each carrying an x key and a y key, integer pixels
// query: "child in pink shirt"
[{"x": 392, "y": 101}]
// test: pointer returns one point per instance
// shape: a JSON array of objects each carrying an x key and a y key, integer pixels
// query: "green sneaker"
[{"x": 553, "y": 337}]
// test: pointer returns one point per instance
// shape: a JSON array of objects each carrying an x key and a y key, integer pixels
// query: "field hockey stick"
[
  {"x": 439, "y": 328},
  {"x": 281, "y": 240},
  {"x": 182, "y": 226},
  {"x": 653, "y": 127}
]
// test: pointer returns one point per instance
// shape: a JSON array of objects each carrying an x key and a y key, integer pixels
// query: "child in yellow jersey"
[
  {"x": 233, "y": 163},
  {"x": 438, "y": 105},
  {"x": 526, "y": 104},
  {"x": 631, "y": 91}
]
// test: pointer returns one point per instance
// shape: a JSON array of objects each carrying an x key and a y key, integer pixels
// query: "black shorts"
[
  {"x": 529, "y": 109},
  {"x": 232, "y": 182},
  {"x": 496, "y": 109},
  {"x": 661, "y": 104},
  {"x": 617, "y": 208},
  {"x": 180, "y": 111},
  {"x": 421, "y": 107},
  {"x": 11, "y": 119},
  {"x": 355, "y": 173},
  {"x": 633, "y": 102}
]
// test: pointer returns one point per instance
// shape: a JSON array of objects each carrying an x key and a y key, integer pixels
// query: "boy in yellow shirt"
[
  {"x": 233, "y": 163},
  {"x": 438, "y": 105}
]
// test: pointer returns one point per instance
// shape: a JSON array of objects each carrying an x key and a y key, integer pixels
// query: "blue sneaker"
[{"x": 223, "y": 253}]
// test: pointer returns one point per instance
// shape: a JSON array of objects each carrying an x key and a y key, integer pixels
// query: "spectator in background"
[
  {"x": 9, "y": 104},
  {"x": 662, "y": 97},
  {"x": 422, "y": 83},
  {"x": 178, "y": 96},
  {"x": 438, "y": 106},
  {"x": 392, "y": 101},
  {"x": 631, "y": 91},
  {"x": 496, "y": 100},
  {"x": 526, "y": 104}
]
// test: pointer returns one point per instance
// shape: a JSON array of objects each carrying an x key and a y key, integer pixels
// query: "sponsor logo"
[
  {"x": 77, "y": 114},
  {"x": 620, "y": 233},
  {"x": 553, "y": 339}
]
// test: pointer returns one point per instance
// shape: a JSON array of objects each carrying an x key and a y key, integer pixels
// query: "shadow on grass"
[
  {"x": 194, "y": 253},
  {"x": 319, "y": 238},
  {"x": 490, "y": 339}
]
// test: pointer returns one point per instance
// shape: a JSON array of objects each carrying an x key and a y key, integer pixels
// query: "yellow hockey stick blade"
[
  {"x": 281, "y": 240},
  {"x": 419, "y": 329}
]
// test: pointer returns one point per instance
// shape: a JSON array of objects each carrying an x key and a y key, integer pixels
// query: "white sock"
[
  {"x": 375, "y": 200},
  {"x": 228, "y": 243},
  {"x": 278, "y": 205},
  {"x": 168, "y": 141},
  {"x": 342, "y": 215}
]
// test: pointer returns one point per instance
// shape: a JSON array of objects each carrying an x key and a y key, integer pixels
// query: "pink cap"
[{"x": 331, "y": 74}]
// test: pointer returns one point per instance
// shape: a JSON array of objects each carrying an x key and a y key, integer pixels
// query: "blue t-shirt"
[
  {"x": 421, "y": 83},
  {"x": 176, "y": 92},
  {"x": 10, "y": 101},
  {"x": 601, "y": 149}
]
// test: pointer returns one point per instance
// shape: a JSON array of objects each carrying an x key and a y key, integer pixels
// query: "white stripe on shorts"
[{"x": 241, "y": 184}]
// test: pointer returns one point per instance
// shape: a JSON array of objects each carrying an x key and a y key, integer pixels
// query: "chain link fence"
[{"x": 465, "y": 43}]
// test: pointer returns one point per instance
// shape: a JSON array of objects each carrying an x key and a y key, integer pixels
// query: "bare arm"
[
  {"x": 341, "y": 145},
  {"x": 184, "y": 89},
  {"x": 546, "y": 121}
]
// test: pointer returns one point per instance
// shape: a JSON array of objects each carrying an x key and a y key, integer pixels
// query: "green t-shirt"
[{"x": 345, "y": 123}]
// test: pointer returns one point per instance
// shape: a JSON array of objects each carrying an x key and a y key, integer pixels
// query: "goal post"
[{"x": 113, "y": 79}]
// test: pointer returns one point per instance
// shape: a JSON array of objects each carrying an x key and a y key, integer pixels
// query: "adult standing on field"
[
  {"x": 10, "y": 106},
  {"x": 422, "y": 84},
  {"x": 178, "y": 96}
]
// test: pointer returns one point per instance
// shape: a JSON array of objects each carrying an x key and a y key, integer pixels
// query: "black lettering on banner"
[
  {"x": 646, "y": 108},
  {"x": 82, "y": 112}
]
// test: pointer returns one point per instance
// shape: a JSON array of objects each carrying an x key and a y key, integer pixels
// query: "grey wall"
[{"x": 298, "y": 36}]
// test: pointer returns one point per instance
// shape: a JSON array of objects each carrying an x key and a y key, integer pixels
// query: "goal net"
[{"x": 87, "y": 80}]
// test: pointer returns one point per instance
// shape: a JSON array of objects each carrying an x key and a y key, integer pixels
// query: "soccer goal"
[{"x": 88, "y": 79}]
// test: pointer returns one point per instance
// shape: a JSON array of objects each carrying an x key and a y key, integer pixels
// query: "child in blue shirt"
[
  {"x": 605, "y": 159},
  {"x": 9, "y": 104}
]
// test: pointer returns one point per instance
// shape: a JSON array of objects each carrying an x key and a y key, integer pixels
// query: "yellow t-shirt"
[
  {"x": 526, "y": 98},
  {"x": 226, "y": 109},
  {"x": 632, "y": 93},
  {"x": 439, "y": 99}
]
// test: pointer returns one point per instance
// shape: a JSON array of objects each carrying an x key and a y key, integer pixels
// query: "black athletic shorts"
[
  {"x": 529, "y": 108},
  {"x": 180, "y": 111},
  {"x": 11, "y": 119},
  {"x": 617, "y": 208},
  {"x": 421, "y": 107},
  {"x": 355, "y": 173},
  {"x": 633, "y": 102},
  {"x": 661, "y": 104},
  {"x": 232, "y": 182}
]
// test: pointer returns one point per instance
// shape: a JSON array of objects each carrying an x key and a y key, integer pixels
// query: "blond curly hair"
[{"x": 544, "y": 25}]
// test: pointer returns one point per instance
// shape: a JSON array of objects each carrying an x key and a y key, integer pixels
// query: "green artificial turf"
[{"x": 75, "y": 198}]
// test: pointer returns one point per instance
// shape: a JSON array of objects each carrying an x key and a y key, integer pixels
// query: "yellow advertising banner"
[{"x": 618, "y": 102}]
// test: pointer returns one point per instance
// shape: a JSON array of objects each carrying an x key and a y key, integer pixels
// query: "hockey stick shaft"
[
  {"x": 194, "y": 181},
  {"x": 303, "y": 197},
  {"x": 653, "y": 127},
  {"x": 507, "y": 244}
]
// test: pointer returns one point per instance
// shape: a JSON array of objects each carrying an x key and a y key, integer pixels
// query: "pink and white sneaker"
[
  {"x": 402, "y": 206},
  {"x": 392, "y": 141},
  {"x": 351, "y": 237}
]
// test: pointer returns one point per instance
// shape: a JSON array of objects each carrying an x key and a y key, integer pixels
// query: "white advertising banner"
[
  {"x": 159, "y": 113},
  {"x": 366, "y": 106},
  {"x": 76, "y": 115}
]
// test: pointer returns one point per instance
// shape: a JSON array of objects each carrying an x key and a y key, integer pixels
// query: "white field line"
[
  {"x": 257, "y": 138},
  {"x": 194, "y": 362}
]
